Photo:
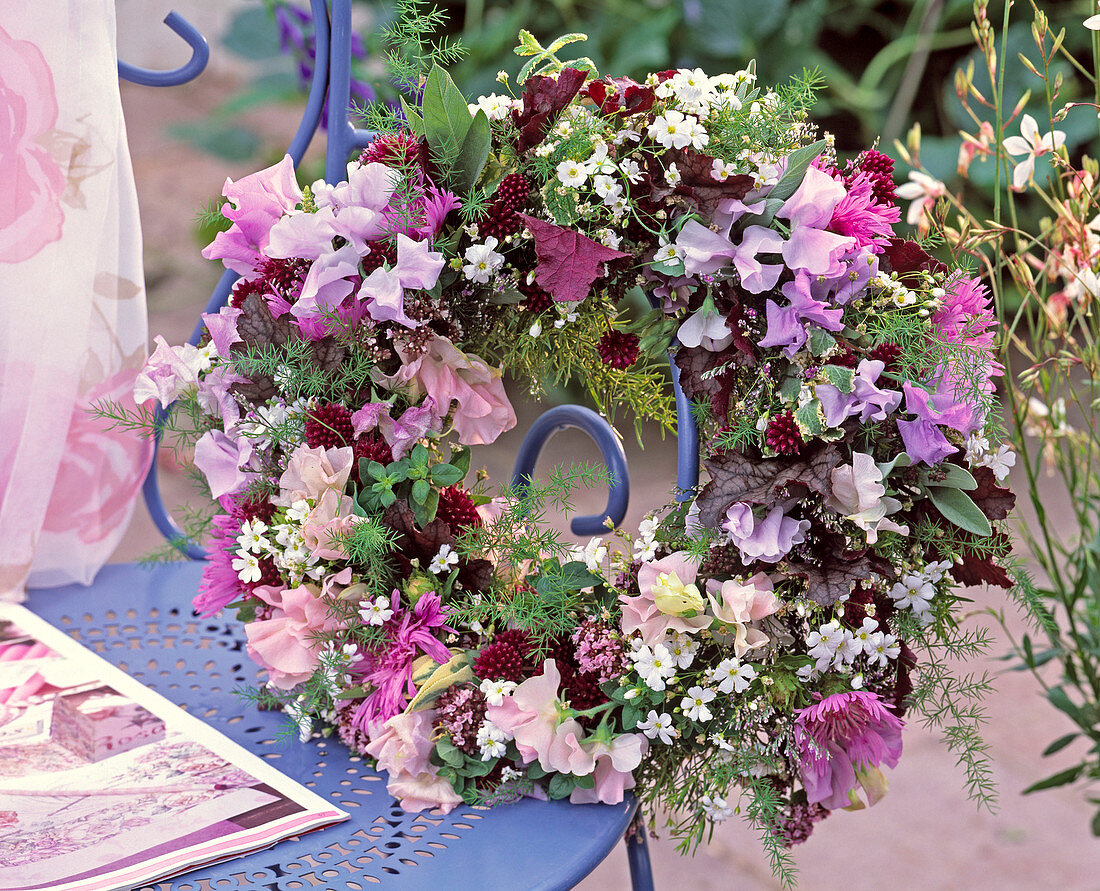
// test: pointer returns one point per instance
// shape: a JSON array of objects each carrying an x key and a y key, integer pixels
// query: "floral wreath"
[{"x": 757, "y": 638}]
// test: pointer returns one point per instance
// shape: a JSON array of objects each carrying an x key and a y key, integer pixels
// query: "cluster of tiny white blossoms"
[
  {"x": 894, "y": 289},
  {"x": 832, "y": 646},
  {"x": 495, "y": 106},
  {"x": 645, "y": 545},
  {"x": 917, "y": 588},
  {"x": 492, "y": 741},
  {"x": 980, "y": 454},
  {"x": 283, "y": 542},
  {"x": 276, "y": 419}
]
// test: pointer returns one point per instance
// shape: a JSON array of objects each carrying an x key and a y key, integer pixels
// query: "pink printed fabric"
[{"x": 72, "y": 296}]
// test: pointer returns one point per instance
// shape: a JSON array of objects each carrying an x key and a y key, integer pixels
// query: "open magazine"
[{"x": 105, "y": 784}]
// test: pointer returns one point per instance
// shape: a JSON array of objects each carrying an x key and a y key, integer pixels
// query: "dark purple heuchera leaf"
[
  {"x": 424, "y": 544},
  {"x": 258, "y": 327},
  {"x": 327, "y": 353},
  {"x": 543, "y": 100},
  {"x": 733, "y": 477},
  {"x": 907, "y": 257},
  {"x": 569, "y": 262},
  {"x": 834, "y": 578},
  {"x": 619, "y": 95},
  {"x": 696, "y": 182},
  {"x": 699, "y": 380},
  {"x": 993, "y": 500}
]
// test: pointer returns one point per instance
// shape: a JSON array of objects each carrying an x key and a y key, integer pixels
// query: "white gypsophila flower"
[
  {"x": 631, "y": 171},
  {"x": 482, "y": 261},
  {"x": 610, "y": 239},
  {"x": 247, "y": 567},
  {"x": 806, "y": 673},
  {"x": 914, "y": 592},
  {"x": 648, "y": 527},
  {"x": 252, "y": 537},
  {"x": 496, "y": 107},
  {"x": 722, "y": 170},
  {"x": 627, "y": 134},
  {"x": 976, "y": 448},
  {"x": 672, "y": 175},
  {"x": 1001, "y": 462},
  {"x": 822, "y": 645},
  {"x": 535, "y": 330},
  {"x": 602, "y": 185},
  {"x": 572, "y": 174},
  {"x": 693, "y": 86},
  {"x": 495, "y": 690},
  {"x": 491, "y": 740},
  {"x": 443, "y": 561},
  {"x": 696, "y": 702},
  {"x": 296, "y": 710},
  {"x": 655, "y": 666},
  {"x": 936, "y": 570},
  {"x": 683, "y": 648},
  {"x": 599, "y": 162},
  {"x": 863, "y": 634},
  {"x": 731, "y": 676},
  {"x": 375, "y": 612},
  {"x": 298, "y": 511},
  {"x": 882, "y": 648},
  {"x": 668, "y": 252},
  {"x": 658, "y": 726},
  {"x": 645, "y": 550},
  {"x": 849, "y": 650},
  {"x": 673, "y": 130},
  {"x": 592, "y": 554},
  {"x": 715, "y": 808}
]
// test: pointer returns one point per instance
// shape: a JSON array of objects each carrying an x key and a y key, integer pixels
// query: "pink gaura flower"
[
  {"x": 1032, "y": 146},
  {"x": 538, "y": 719},
  {"x": 842, "y": 740},
  {"x": 480, "y": 406},
  {"x": 923, "y": 192},
  {"x": 641, "y": 613}
]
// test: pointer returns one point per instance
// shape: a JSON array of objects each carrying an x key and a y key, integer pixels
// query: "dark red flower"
[
  {"x": 783, "y": 435},
  {"x": 329, "y": 427},
  {"x": 619, "y": 349},
  {"x": 507, "y": 658},
  {"x": 457, "y": 509}
]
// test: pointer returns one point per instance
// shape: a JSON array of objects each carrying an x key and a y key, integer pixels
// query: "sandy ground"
[{"x": 924, "y": 835}]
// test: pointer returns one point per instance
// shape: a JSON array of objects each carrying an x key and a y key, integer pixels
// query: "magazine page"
[{"x": 105, "y": 784}]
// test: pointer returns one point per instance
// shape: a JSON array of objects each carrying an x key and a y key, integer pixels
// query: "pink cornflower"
[
  {"x": 842, "y": 740},
  {"x": 858, "y": 216},
  {"x": 220, "y": 584},
  {"x": 389, "y": 669}
]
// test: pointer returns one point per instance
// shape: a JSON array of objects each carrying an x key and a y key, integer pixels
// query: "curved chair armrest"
[
  {"x": 602, "y": 433},
  {"x": 200, "y": 55}
]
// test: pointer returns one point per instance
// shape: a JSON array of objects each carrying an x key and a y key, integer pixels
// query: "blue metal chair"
[{"x": 141, "y": 620}]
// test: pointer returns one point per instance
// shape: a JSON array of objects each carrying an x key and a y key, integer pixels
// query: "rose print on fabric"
[{"x": 30, "y": 179}]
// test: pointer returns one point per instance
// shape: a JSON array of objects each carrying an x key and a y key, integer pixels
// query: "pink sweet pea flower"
[
  {"x": 641, "y": 613},
  {"x": 332, "y": 515},
  {"x": 857, "y": 493},
  {"x": 740, "y": 604},
  {"x": 404, "y": 743},
  {"x": 414, "y": 424},
  {"x": 256, "y": 203},
  {"x": 168, "y": 372},
  {"x": 536, "y": 717},
  {"x": 481, "y": 411},
  {"x": 612, "y": 768},
  {"x": 327, "y": 283},
  {"x": 285, "y": 644},
  {"x": 423, "y": 791},
  {"x": 768, "y": 540},
  {"x": 841, "y": 742},
  {"x": 305, "y": 235},
  {"x": 367, "y": 418},
  {"x": 311, "y": 471},
  {"x": 222, "y": 326}
]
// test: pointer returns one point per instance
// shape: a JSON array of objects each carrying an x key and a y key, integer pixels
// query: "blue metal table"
[{"x": 141, "y": 620}]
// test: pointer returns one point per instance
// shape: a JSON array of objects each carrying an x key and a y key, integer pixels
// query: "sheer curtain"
[{"x": 72, "y": 295}]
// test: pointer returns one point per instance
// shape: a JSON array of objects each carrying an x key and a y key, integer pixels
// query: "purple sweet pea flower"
[
  {"x": 705, "y": 328},
  {"x": 215, "y": 394},
  {"x": 785, "y": 329},
  {"x": 367, "y": 418},
  {"x": 768, "y": 540},
  {"x": 414, "y": 424},
  {"x": 707, "y": 252},
  {"x": 802, "y": 301},
  {"x": 327, "y": 283},
  {"x": 867, "y": 399},
  {"x": 417, "y": 266},
  {"x": 220, "y": 458},
  {"x": 923, "y": 440},
  {"x": 222, "y": 326},
  {"x": 256, "y": 203},
  {"x": 305, "y": 235},
  {"x": 859, "y": 267},
  {"x": 730, "y": 210},
  {"x": 810, "y": 209},
  {"x": 385, "y": 298}
]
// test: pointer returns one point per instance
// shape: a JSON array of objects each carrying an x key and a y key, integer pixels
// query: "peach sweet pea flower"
[
  {"x": 534, "y": 715},
  {"x": 858, "y": 494},
  {"x": 740, "y": 604},
  {"x": 331, "y": 515},
  {"x": 611, "y": 765},
  {"x": 402, "y": 747},
  {"x": 668, "y": 579},
  {"x": 285, "y": 644},
  {"x": 313, "y": 471}
]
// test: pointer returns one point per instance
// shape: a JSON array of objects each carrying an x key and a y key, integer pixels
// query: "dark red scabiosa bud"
[
  {"x": 619, "y": 349},
  {"x": 457, "y": 509},
  {"x": 507, "y": 658},
  {"x": 888, "y": 354},
  {"x": 329, "y": 427},
  {"x": 783, "y": 435}
]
